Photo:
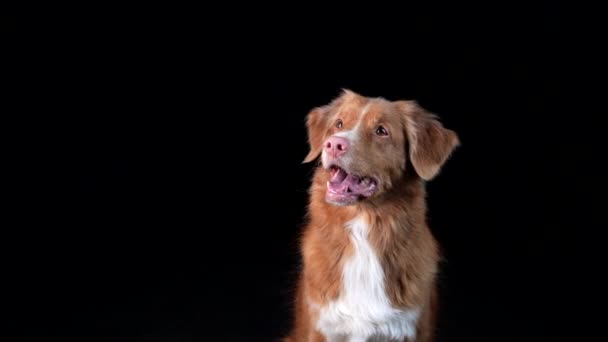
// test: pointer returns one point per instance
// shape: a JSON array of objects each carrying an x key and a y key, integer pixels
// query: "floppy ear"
[
  {"x": 317, "y": 123},
  {"x": 430, "y": 144}
]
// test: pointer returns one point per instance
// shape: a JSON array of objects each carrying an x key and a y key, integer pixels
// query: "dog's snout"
[{"x": 336, "y": 146}]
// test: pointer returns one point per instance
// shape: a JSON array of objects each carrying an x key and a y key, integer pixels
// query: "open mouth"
[{"x": 346, "y": 188}]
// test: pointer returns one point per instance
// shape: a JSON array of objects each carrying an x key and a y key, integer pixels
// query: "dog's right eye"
[{"x": 339, "y": 123}]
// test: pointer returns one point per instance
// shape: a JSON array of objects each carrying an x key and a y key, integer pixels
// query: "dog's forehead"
[
  {"x": 369, "y": 111},
  {"x": 351, "y": 108},
  {"x": 377, "y": 110},
  {"x": 364, "y": 109}
]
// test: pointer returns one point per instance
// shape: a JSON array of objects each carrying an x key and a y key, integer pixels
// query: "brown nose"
[{"x": 336, "y": 146}]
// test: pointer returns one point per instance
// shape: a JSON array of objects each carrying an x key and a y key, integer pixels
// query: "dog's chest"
[{"x": 363, "y": 311}]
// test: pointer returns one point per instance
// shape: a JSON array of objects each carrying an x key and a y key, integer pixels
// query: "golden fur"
[{"x": 414, "y": 152}]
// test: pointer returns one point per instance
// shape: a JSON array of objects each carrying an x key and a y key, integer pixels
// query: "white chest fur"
[{"x": 363, "y": 311}]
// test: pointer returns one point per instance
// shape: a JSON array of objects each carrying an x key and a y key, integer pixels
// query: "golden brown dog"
[{"x": 370, "y": 260}]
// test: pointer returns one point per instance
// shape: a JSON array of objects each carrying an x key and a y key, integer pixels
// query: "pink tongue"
[{"x": 347, "y": 184}]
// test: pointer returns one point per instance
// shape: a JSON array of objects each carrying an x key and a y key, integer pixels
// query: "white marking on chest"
[{"x": 363, "y": 311}]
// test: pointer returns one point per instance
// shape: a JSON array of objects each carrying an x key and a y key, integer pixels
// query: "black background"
[{"x": 167, "y": 191}]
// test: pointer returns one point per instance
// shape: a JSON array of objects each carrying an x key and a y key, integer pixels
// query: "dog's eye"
[
  {"x": 381, "y": 131},
  {"x": 339, "y": 123}
]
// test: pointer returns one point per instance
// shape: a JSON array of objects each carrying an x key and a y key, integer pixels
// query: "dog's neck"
[{"x": 396, "y": 230}]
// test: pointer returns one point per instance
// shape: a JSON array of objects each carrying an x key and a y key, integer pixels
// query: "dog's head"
[{"x": 365, "y": 144}]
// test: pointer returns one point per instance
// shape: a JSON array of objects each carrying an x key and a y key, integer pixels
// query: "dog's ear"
[
  {"x": 430, "y": 144},
  {"x": 317, "y": 123}
]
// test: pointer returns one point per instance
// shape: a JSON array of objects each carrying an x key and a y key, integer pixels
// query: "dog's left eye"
[
  {"x": 381, "y": 131},
  {"x": 339, "y": 123}
]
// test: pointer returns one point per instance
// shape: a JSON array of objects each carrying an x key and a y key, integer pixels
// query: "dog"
[{"x": 369, "y": 259}]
